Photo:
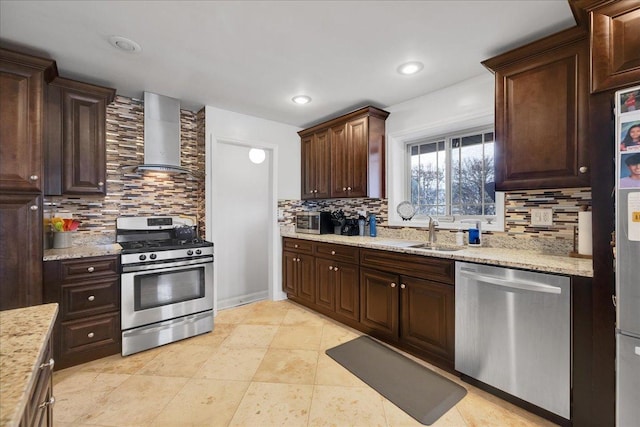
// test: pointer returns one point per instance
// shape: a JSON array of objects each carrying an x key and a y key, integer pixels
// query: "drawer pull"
[
  {"x": 333, "y": 252},
  {"x": 91, "y": 298},
  {"x": 33, "y": 207},
  {"x": 295, "y": 246},
  {"x": 48, "y": 364},
  {"x": 90, "y": 269},
  {"x": 101, "y": 184},
  {"x": 33, "y": 178},
  {"x": 50, "y": 402},
  {"x": 90, "y": 335}
]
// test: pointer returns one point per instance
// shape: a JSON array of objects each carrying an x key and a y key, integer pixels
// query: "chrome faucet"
[{"x": 432, "y": 230}]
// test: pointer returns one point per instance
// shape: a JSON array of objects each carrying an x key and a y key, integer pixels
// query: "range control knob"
[
  {"x": 189, "y": 252},
  {"x": 198, "y": 251},
  {"x": 142, "y": 257},
  {"x": 153, "y": 256}
]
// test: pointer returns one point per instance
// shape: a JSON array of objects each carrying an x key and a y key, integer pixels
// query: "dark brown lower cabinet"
[
  {"x": 416, "y": 313},
  {"x": 379, "y": 297},
  {"x": 298, "y": 276},
  {"x": 88, "y": 292},
  {"x": 427, "y": 316},
  {"x": 337, "y": 288},
  {"x": 39, "y": 409}
]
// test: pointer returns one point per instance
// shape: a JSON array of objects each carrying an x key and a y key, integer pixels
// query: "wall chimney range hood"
[{"x": 161, "y": 136}]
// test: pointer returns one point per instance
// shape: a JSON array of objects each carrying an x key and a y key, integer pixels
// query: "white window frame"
[{"x": 398, "y": 172}]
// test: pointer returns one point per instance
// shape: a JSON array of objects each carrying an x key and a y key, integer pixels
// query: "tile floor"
[{"x": 264, "y": 365}]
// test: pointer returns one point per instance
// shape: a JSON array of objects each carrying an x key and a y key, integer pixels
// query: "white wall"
[
  {"x": 467, "y": 104},
  {"x": 284, "y": 144}
]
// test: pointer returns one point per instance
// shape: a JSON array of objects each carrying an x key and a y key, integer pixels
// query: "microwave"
[{"x": 314, "y": 223}]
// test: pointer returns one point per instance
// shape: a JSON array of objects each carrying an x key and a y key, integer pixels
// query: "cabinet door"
[
  {"x": 615, "y": 45},
  {"x": 428, "y": 317},
  {"x": 84, "y": 146},
  {"x": 357, "y": 155},
  {"x": 315, "y": 166},
  {"x": 347, "y": 290},
  {"x": 289, "y": 263},
  {"x": 379, "y": 302},
  {"x": 339, "y": 161},
  {"x": 542, "y": 120},
  {"x": 21, "y": 104},
  {"x": 306, "y": 283},
  {"x": 20, "y": 250},
  {"x": 325, "y": 283}
]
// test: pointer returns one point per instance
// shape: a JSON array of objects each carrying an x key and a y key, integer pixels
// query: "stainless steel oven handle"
[{"x": 166, "y": 265}]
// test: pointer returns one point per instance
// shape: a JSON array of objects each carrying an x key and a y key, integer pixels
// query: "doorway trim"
[{"x": 211, "y": 152}]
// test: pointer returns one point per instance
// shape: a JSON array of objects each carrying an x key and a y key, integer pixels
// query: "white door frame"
[{"x": 211, "y": 216}]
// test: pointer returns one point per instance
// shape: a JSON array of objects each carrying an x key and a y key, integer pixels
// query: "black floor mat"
[{"x": 420, "y": 392}]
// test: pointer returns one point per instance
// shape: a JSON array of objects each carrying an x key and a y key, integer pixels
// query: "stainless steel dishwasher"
[{"x": 513, "y": 332}]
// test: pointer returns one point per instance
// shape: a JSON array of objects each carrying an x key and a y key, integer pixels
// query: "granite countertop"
[
  {"x": 81, "y": 252},
  {"x": 24, "y": 333},
  {"x": 525, "y": 259}
]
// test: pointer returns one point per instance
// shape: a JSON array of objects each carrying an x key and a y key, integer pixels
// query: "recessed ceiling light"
[
  {"x": 301, "y": 99},
  {"x": 410, "y": 68},
  {"x": 125, "y": 44}
]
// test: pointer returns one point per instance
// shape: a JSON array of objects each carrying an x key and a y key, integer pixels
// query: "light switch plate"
[{"x": 541, "y": 217}]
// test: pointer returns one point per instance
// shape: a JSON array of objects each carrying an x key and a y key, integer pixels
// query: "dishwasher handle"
[{"x": 515, "y": 284}]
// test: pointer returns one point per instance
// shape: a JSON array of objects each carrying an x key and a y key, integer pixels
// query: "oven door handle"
[{"x": 166, "y": 265}]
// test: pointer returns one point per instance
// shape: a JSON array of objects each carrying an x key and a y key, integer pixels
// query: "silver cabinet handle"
[
  {"x": 393, "y": 285},
  {"x": 101, "y": 184},
  {"x": 335, "y": 268},
  {"x": 90, "y": 269},
  {"x": 295, "y": 246},
  {"x": 33, "y": 178},
  {"x": 330, "y": 267},
  {"x": 33, "y": 207},
  {"x": 311, "y": 192},
  {"x": 583, "y": 169},
  {"x": 48, "y": 364},
  {"x": 91, "y": 298},
  {"x": 344, "y": 188},
  {"x": 50, "y": 402},
  {"x": 402, "y": 286},
  {"x": 333, "y": 252},
  {"x": 90, "y": 335},
  {"x": 348, "y": 188}
]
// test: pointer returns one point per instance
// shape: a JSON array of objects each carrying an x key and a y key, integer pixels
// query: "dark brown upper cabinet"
[
  {"x": 22, "y": 80},
  {"x": 541, "y": 113},
  {"x": 344, "y": 157},
  {"x": 75, "y": 160},
  {"x": 615, "y": 45}
]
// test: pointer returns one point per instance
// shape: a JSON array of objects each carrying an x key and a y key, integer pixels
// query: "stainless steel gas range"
[{"x": 166, "y": 282}]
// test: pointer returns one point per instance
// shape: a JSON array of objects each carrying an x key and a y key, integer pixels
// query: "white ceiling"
[{"x": 252, "y": 57}]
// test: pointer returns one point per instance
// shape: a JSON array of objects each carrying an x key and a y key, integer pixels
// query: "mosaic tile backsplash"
[
  {"x": 556, "y": 239},
  {"x": 131, "y": 193}
]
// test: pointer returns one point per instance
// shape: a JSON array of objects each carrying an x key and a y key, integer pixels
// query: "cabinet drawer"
[
  {"x": 89, "y": 267},
  {"x": 297, "y": 245},
  {"x": 90, "y": 298},
  {"x": 337, "y": 252},
  {"x": 88, "y": 334},
  {"x": 441, "y": 270}
]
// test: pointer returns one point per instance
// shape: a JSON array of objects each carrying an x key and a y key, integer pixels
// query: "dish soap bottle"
[{"x": 372, "y": 225}]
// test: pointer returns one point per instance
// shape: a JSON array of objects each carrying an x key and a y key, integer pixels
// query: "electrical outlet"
[
  {"x": 541, "y": 217},
  {"x": 280, "y": 213}
]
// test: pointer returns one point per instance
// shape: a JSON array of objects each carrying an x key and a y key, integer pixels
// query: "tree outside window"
[{"x": 453, "y": 175}]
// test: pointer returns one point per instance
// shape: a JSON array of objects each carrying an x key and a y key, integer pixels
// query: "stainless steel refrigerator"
[{"x": 628, "y": 257}]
